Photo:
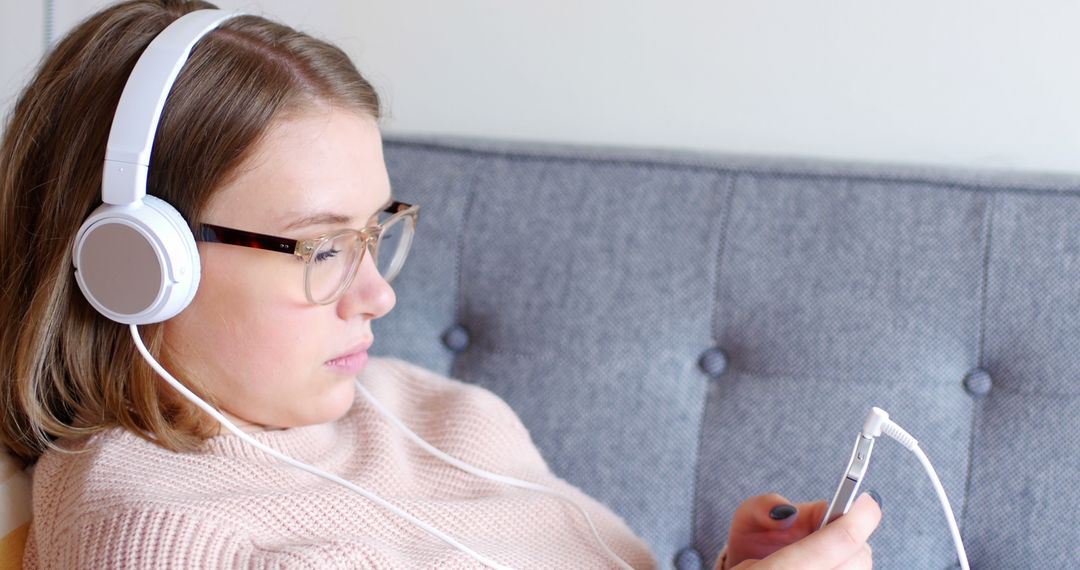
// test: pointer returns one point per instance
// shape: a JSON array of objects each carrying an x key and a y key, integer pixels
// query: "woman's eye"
[{"x": 326, "y": 255}]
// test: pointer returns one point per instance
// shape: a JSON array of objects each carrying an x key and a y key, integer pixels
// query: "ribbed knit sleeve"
[
  {"x": 117, "y": 501},
  {"x": 152, "y": 538}
]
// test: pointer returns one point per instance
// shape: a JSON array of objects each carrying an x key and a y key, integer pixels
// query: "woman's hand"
[{"x": 767, "y": 532}]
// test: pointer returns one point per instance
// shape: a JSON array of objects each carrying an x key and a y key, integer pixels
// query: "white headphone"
[{"x": 135, "y": 257}]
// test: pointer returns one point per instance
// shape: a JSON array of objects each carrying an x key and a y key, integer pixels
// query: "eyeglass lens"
[{"x": 335, "y": 262}]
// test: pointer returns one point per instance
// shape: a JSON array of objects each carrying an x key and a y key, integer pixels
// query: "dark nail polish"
[
  {"x": 781, "y": 512},
  {"x": 876, "y": 497}
]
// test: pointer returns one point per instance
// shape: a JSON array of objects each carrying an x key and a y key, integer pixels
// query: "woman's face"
[{"x": 250, "y": 337}]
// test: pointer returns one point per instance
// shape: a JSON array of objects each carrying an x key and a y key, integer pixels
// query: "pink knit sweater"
[{"x": 122, "y": 502}]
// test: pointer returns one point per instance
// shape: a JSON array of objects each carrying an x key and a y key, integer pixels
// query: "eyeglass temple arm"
[{"x": 219, "y": 234}]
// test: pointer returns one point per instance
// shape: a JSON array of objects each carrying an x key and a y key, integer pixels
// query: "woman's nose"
[{"x": 369, "y": 294}]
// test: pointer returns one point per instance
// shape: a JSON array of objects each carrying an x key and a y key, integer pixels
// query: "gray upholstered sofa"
[{"x": 682, "y": 331}]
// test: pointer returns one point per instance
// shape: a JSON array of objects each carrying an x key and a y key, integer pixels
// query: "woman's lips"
[{"x": 352, "y": 361}]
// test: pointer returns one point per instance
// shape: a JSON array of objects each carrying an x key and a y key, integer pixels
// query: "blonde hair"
[{"x": 65, "y": 370}]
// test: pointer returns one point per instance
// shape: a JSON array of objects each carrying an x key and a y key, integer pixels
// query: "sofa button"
[
  {"x": 713, "y": 362},
  {"x": 456, "y": 338},
  {"x": 688, "y": 559},
  {"x": 978, "y": 382}
]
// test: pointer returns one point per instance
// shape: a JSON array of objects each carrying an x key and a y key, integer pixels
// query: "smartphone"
[{"x": 848, "y": 489}]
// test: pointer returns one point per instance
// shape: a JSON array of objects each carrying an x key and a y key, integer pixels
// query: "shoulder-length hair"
[{"x": 66, "y": 370}]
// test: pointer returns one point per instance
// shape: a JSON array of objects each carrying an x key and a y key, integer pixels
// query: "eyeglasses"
[{"x": 331, "y": 260}]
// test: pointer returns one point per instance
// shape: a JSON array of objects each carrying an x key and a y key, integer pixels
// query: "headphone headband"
[
  {"x": 127, "y": 156},
  {"x": 135, "y": 258}
]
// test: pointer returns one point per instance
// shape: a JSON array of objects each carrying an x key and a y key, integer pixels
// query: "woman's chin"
[
  {"x": 331, "y": 405},
  {"x": 337, "y": 402}
]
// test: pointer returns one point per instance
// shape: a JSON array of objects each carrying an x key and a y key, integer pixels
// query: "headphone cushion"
[{"x": 137, "y": 263}]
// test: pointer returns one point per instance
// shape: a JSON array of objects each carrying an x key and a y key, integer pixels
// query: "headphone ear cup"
[{"x": 137, "y": 263}]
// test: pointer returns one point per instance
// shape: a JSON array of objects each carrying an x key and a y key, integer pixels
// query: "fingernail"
[
  {"x": 876, "y": 497},
  {"x": 781, "y": 512}
]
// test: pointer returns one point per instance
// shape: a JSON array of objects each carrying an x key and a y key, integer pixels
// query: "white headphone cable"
[
  {"x": 878, "y": 423},
  {"x": 194, "y": 399},
  {"x": 887, "y": 426}
]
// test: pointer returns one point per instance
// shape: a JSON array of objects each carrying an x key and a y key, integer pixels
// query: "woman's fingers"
[
  {"x": 810, "y": 515},
  {"x": 763, "y": 513},
  {"x": 762, "y": 525},
  {"x": 840, "y": 540}
]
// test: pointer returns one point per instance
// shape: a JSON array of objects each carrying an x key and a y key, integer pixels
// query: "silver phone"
[{"x": 848, "y": 489}]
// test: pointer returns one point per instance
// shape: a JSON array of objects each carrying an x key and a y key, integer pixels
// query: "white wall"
[
  {"x": 21, "y": 44},
  {"x": 963, "y": 82}
]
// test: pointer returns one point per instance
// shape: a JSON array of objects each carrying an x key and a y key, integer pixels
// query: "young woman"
[{"x": 270, "y": 140}]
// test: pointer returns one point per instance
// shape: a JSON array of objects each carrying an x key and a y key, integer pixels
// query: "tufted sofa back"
[{"x": 682, "y": 331}]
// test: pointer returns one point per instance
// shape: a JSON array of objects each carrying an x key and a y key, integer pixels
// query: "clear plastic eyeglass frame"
[{"x": 402, "y": 215}]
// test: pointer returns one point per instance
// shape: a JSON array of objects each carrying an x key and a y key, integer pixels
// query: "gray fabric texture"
[{"x": 682, "y": 331}]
